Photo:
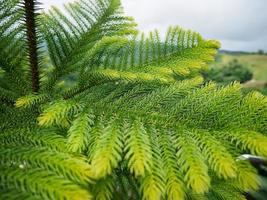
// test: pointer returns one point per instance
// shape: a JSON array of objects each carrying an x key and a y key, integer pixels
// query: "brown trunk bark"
[{"x": 29, "y": 6}]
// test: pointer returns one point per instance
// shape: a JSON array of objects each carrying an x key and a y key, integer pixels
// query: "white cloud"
[
  {"x": 238, "y": 24},
  {"x": 48, "y": 3}
]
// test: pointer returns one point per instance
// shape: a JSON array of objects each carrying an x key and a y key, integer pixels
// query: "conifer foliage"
[{"x": 135, "y": 122}]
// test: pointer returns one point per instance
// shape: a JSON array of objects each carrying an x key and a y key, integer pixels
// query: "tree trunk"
[{"x": 29, "y": 6}]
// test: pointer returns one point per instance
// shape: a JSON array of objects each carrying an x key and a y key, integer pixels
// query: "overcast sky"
[{"x": 238, "y": 24}]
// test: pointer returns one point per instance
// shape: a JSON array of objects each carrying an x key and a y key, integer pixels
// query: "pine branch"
[
  {"x": 137, "y": 123},
  {"x": 29, "y": 6}
]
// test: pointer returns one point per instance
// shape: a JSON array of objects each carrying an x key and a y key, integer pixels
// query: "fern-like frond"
[
  {"x": 41, "y": 183},
  {"x": 175, "y": 188},
  {"x": 37, "y": 164},
  {"x": 104, "y": 189},
  {"x": 108, "y": 151},
  {"x": 96, "y": 23},
  {"x": 34, "y": 137},
  {"x": 153, "y": 184},
  {"x": 31, "y": 100},
  {"x": 194, "y": 167},
  {"x": 138, "y": 149},
  {"x": 59, "y": 113},
  {"x": 220, "y": 160},
  {"x": 79, "y": 131},
  {"x": 247, "y": 177},
  {"x": 126, "y": 64},
  {"x": 134, "y": 120},
  {"x": 74, "y": 168}
]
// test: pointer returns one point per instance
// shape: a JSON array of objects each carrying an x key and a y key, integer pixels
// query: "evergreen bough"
[{"x": 135, "y": 122}]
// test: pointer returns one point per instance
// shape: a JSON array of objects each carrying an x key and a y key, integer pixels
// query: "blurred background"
[{"x": 240, "y": 26}]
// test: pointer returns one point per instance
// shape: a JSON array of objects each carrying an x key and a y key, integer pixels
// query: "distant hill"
[
  {"x": 260, "y": 52},
  {"x": 234, "y": 52},
  {"x": 258, "y": 63}
]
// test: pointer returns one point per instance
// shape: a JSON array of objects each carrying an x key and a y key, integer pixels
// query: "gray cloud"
[{"x": 238, "y": 24}]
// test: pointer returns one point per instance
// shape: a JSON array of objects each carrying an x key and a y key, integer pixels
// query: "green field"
[{"x": 258, "y": 63}]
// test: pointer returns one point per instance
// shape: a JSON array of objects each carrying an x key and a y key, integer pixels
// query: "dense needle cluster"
[{"x": 113, "y": 114}]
